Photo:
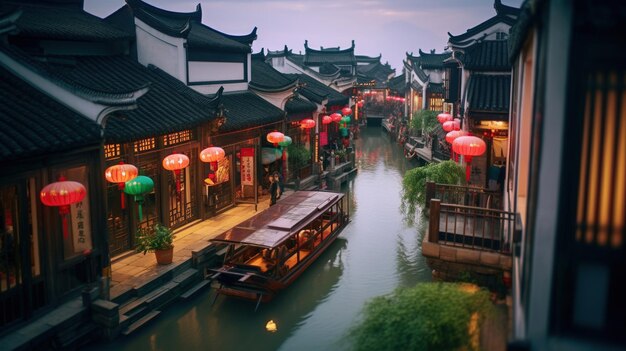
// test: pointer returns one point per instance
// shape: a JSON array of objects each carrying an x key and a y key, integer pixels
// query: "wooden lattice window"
[
  {"x": 112, "y": 151},
  {"x": 601, "y": 208},
  {"x": 177, "y": 138},
  {"x": 145, "y": 145}
]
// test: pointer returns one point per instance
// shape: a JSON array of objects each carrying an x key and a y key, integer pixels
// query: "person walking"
[
  {"x": 278, "y": 177},
  {"x": 274, "y": 190}
]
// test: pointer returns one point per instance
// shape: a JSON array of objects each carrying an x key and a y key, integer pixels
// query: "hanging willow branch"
[{"x": 414, "y": 184}]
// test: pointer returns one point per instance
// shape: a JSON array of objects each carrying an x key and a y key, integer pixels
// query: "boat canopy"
[{"x": 277, "y": 223}]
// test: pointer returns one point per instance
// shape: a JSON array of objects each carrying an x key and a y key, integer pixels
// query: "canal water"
[{"x": 376, "y": 253}]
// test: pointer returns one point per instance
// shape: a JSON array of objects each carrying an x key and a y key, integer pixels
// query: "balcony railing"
[
  {"x": 471, "y": 227},
  {"x": 463, "y": 195}
]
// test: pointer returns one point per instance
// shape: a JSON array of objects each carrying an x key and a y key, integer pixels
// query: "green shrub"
[
  {"x": 428, "y": 316},
  {"x": 298, "y": 157},
  {"x": 160, "y": 238},
  {"x": 414, "y": 184},
  {"x": 424, "y": 120}
]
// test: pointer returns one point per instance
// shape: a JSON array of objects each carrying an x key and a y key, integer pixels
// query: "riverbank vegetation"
[
  {"x": 428, "y": 316},
  {"x": 414, "y": 184}
]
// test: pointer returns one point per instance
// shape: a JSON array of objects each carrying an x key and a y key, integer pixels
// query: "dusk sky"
[{"x": 391, "y": 27}]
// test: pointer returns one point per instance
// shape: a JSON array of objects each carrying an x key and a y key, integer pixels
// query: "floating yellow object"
[{"x": 271, "y": 326}]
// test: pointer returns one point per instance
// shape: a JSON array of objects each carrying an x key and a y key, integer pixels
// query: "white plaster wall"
[
  {"x": 436, "y": 76},
  {"x": 166, "y": 52},
  {"x": 215, "y": 71},
  {"x": 213, "y": 88}
]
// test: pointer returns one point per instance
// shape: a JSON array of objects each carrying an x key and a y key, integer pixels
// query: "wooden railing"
[
  {"x": 463, "y": 195},
  {"x": 471, "y": 227}
]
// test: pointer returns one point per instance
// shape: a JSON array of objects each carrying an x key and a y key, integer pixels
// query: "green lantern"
[
  {"x": 286, "y": 142},
  {"x": 138, "y": 187},
  {"x": 345, "y": 119},
  {"x": 344, "y": 131}
]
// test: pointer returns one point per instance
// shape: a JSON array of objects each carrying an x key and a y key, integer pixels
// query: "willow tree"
[{"x": 414, "y": 184}]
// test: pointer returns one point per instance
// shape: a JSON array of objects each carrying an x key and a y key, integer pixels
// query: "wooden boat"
[{"x": 267, "y": 252}]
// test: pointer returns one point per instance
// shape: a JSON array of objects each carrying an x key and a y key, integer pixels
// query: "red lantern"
[
  {"x": 62, "y": 194},
  {"x": 346, "y": 111},
  {"x": 120, "y": 174},
  {"x": 213, "y": 155},
  {"x": 457, "y": 124},
  {"x": 176, "y": 162},
  {"x": 444, "y": 117},
  {"x": 336, "y": 117},
  {"x": 360, "y": 104},
  {"x": 448, "y": 126},
  {"x": 453, "y": 135},
  {"x": 326, "y": 119},
  {"x": 275, "y": 137},
  {"x": 469, "y": 146},
  {"x": 307, "y": 123}
]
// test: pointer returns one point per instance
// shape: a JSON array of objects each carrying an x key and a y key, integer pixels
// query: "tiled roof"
[
  {"x": 502, "y": 9},
  {"x": 317, "y": 92},
  {"x": 314, "y": 57},
  {"x": 518, "y": 32},
  {"x": 34, "y": 124},
  {"x": 459, "y": 39},
  {"x": 489, "y": 93},
  {"x": 376, "y": 71},
  {"x": 487, "y": 55},
  {"x": 246, "y": 110},
  {"x": 329, "y": 69},
  {"x": 62, "y": 23},
  {"x": 431, "y": 60},
  {"x": 398, "y": 84},
  {"x": 168, "y": 106},
  {"x": 186, "y": 25},
  {"x": 367, "y": 59},
  {"x": 266, "y": 78},
  {"x": 299, "y": 105},
  {"x": 297, "y": 59}
]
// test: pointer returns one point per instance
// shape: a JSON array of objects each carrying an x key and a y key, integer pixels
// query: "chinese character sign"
[
  {"x": 247, "y": 166},
  {"x": 81, "y": 226}
]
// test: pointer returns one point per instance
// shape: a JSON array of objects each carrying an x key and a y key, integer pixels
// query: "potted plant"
[{"x": 160, "y": 240}]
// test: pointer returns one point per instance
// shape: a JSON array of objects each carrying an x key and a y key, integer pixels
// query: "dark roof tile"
[
  {"x": 246, "y": 110},
  {"x": 489, "y": 93},
  {"x": 34, "y": 124},
  {"x": 266, "y": 78},
  {"x": 299, "y": 105},
  {"x": 63, "y": 23},
  {"x": 317, "y": 92},
  {"x": 462, "y": 38},
  {"x": 186, "y": 25},
  {"x": 488, "y": 55},
  {"x": 314, "y": 57}
]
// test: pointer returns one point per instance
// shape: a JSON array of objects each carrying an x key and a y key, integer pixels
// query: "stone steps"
[{"x": 140, "y": 322}]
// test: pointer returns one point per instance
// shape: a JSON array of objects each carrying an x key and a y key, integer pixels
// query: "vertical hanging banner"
[
  {"x": 81, "y": 226},
  {"x": 247, "y": 165}
]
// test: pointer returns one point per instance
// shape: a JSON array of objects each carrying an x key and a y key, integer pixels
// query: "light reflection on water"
[{"x": 375, "y": 254}]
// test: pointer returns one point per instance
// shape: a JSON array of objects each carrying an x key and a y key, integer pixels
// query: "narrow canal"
[{"x": 375, "y": 254}]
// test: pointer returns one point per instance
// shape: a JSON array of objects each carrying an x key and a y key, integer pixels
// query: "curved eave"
[
  {"x": 247, "y": 39},
  {"x": 344, "y": 51},
  {"x": 149, "y": 19},
  {"x": 7, "y": 22},
  {"x": 144, "y": 6},
  {"x": 457, "y": 39},
  {"x": 272, "y": 89}
]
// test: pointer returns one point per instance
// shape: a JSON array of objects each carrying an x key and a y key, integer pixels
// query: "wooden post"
[
  {"x": 431, "y": 188},
  {"x": 433, "y": 224}
]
